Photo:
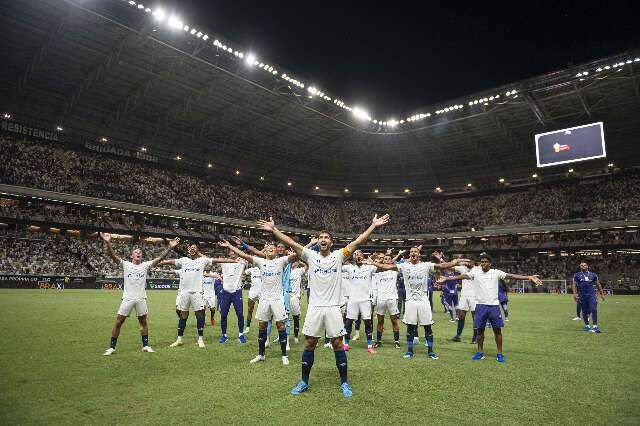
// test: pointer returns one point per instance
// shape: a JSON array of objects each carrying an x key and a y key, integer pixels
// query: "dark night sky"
[{"x": 406, "y": 55}]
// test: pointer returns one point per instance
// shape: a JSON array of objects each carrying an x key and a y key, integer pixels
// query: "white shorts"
[
  {"x": 323, "y": 320},
  {"x": 254, "y": 292},
  {"x": 388, "y": 305},
  {"x": 294, "y": 305},
  {"x": 417, "y": 312},
  {"x": 128, "y": 304},
  {"x": 467, "y": 303},
  {"x": 362, "y": 308},
  {"x": 271, "y": 308},
  {"x": 343, "y": 306},
  {"x": 209, "y": 299},
  {"x": 187, "y": 299},
  {"x": 178, "y": 298}
]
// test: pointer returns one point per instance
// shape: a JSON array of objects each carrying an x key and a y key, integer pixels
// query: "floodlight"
[{"x": 159, "y": 15}]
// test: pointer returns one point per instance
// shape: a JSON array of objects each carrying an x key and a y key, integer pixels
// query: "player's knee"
[
  {"x": 337, "y": 344},
  {"x": 280, "y": 325}
]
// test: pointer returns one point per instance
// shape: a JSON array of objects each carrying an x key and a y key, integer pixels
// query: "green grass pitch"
[{"x": 52, "y": 370}]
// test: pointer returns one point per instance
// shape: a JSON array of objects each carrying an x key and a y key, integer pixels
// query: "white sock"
[{"x": 179, "y": 339}]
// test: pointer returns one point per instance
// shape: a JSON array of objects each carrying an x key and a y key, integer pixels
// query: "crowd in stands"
[{"x": 55, "y": 168}]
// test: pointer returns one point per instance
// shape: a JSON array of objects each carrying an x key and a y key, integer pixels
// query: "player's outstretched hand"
[
  {"x": 105, "y": 237},
  {"x": 224, "y": 243},
  {"x": 441, "y": 279},
  {"x": 379, "y": 221},
  {"x": 313, "y": 241},
  {"x": 237, "y": 241},
  {"x": 174, "y": 243},
  {"x": 536, "y": 280},
  {"x": 267, "y": 225}
]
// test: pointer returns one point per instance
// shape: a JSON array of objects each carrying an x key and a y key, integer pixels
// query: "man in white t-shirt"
[
  {"x": 134, "y": 295},
  {"x": 467, "y": 301},
  {"x": 208, "y": 292},
  {"x": 271, "y": 296},
  {"x": 295, "y": 294},
  {"x": 255, "y": 275},
  {"x": 360, "y": 298},
  {"x": 323, "y": 313},
  {"x": 386, "y": 292},
  {"x": 192, "y": 269},
  {"x": 417, "y": 308},
  {"x": 485, "y": 283}
]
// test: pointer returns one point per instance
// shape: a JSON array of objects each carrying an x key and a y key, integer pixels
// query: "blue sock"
[
  {"x": 248, "y": 323},
  {"x": 145, "y": 341},
  {"x": 282, "y": 335},
  {"x": 451, "y": 312},
  {"x": 262, "y": 339},
  {"x": 410, "y": 334},
  {"x": 182, "y": 323},
  {"x": 594, "y": 315},
  {"x": 347, "y": 329},
  {"x": 475, "y": 334},
  {"x": 268, "y": 328},
  {"x": 396, "y": 336},
  {"x": 428, "y": 337},
  {"x": 578, "y": 309},
  {"x": 114, "y": 340},
  {"x": 506, "y": 311},
  {"x": 378, "y": 336},
  {"x": 368, "y": 329},
  {"x": 341, "y": 363},
  {"x": 460, "y": 327},
  {"x": 307, "y": 363},
  {"x": 296, "y": 325},
  {"x": 287, "y": 326},
  {"x": 200, "y": 325}
]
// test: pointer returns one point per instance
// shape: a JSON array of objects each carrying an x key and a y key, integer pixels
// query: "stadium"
[{"x": 146, "y": 158}]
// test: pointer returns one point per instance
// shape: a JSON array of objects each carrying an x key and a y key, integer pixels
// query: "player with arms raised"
[
  {"x": 134, "y": 295},
  {"x": 323, "y": 312}
]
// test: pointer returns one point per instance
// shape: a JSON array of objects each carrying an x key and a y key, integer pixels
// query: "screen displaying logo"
[{"x": 569, "y": 145}]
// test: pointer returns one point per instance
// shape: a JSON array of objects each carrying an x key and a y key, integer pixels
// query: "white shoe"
[
  {"x": 416, "y": 341},
  {"x": 327, "y": 345},
  {"x": 296, "y": 340},
  {"x": 109, "y": 351},
  {"x": 356, "y": 336},
  {"x": 201, "y": 344},
  {"x": 148, "y": 349},
  {"x": 176, "y": 343},
  {"x": 576, "y": 319},
  {"x": 246, "y": 330},
  {"x": 259, "y": 358},
  {"x": 285, "y": 360},
  {"x": 288, "y": 347}
]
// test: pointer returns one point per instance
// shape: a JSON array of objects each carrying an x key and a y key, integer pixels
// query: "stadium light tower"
[
  {"x": 159, "y": 15},
  {"x": 360, "y": 113},
  {"x": 250, "y": 59}
]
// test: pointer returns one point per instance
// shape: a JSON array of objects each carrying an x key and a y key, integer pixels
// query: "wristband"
[
  {"x": 244, "y": 245},
  {"x": 315, "y": 247}
]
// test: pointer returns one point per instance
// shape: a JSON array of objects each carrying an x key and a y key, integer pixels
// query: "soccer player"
[
  {"x": 486, "y": 282},
  {"x": 192, "y": 269},
  {"x": 583, "y": 291},
  {"x": 360, "y": 298},
  {"x": 451, "y": 293},
  {"x": 271, "y": 296},
  {"x": 134, "y": 294},
  {"x": 254, "y": 292},
  {"x": 323, "y": 313},
  {"x": 503, "y": 298},
  {"x": 208, "y": 292},
  {"x": 232, "y": 294},
  {"x": 417, "y": 309},
  {"x": 467, "y": 302},
  {"x": 387, "y": 301},
  {"x": 297, "y": 271}
]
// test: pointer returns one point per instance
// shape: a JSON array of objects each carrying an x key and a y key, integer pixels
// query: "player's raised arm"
[
  {"x": 172, "y": 244},
  {"x": 376, "y": 223},
  {"x": 236, "y": 250},
  {"x": 291, "y": 256},
  {"x": 381, "y": 266},
  {"x": 107, "y": 242},
  {"x": 269, "y": 226},
  {"x": 533, "y": 278},
  {"x": 451, "y": 264},
  {"x": 442, "y": 279},
  {"x": 246, "y": 246}
]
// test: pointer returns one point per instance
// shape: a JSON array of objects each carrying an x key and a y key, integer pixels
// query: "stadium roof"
[{"x": 109, "y": 69}]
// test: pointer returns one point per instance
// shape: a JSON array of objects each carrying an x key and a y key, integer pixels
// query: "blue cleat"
[
  {"x": 595, "y": 329},
  {"x": 408, "y": 354},
  {"x": 223, "y": 339},
  {"x": 346, "y": 390},
  {"x": 478, "y": 356},
  {"x": 300, "y": 388},
  {"x": 432, "y": 355},
  {"x": 587, "y": 328},
  {"x": 242, "y": 339},
  {"x": 500, "y": 358}
]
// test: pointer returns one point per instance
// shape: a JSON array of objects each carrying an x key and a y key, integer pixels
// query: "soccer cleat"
[
  {"x": 576, "y": 319},
  {"x": 201, "y": 343},
  {"x": 500, "y": 358},
  {"x": 377, "y": 345},
  {"x": 595, "y": 329},
  {"x": 432, "y": 355},
  {"x": 345, "y": 346},
  {"x": 242, "y": 339},
  {"x": 258, "y": 358},
  {"x": 396, "y": 345},
  {"x": 148, "y": 349},
  {"x": 285, "y": 360},
  {"x": 109, "y": 351},
  {"x": 299, "y": 388},
  {"x": 356, "y": 336},
  {"x": 506, "y": 319},
  {"x": 223, "y": 339},
  {"x": 587, "y": 328},
  {"x": 177, "y": 343},
  {"x": 371, "y": 350},
  {"x": 455, "y": 339},
  {"x": 452, "y": 320},
  {"x": 408, "y": 355},
  {"x": 477, "y": 356},
  {"x": 416, "y": 340},
  {"x": 328, "y": 345},
  {"x": 473, "y": 342},
  {"x": 346, "y": 390},
  {"x": 246, "y": 330},
  {"x": 296, "y": 340}
]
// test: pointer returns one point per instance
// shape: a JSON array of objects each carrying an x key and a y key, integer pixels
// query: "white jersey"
[
  {"x": 256, "y": 276},
  {"x": 272, "y": 274},
  {"x": 346, "y": 284},
  {"x": 192, "y": 273},
  {"x": 360, "y": 282},
  {"x": 467, "y": 285},
  {"x": 415, "y": 278},
  {"x": 207, "y": 285},
  {"x": 386, "y": 285},
  {"x": 486, "y": 285},
  {"x": 135, "y": 279},
  {"x": 325, "y": 277},
  {"x": 296, "y": 281},
  {"x": 232, "y": 276}
]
